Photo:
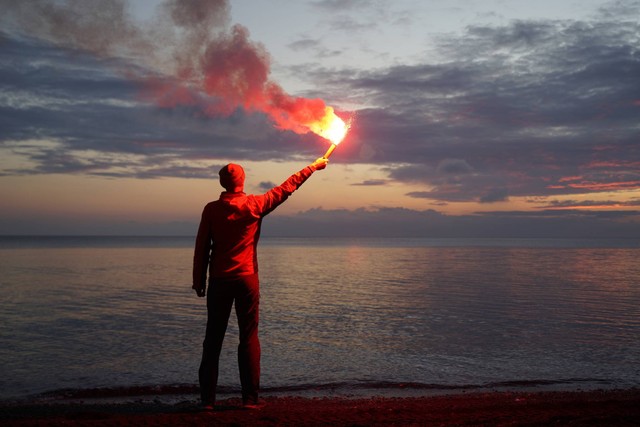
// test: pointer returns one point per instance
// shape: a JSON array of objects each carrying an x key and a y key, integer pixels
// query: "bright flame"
[{"x": 330, "y": 127}]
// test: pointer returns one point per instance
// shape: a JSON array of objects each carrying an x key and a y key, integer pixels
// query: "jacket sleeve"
[
  {"x": 202, "y": 252},
  {"x": 277, "y": 195}
]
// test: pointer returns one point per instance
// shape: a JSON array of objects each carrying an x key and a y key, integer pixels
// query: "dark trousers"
[{"x": 245, "y": 291}]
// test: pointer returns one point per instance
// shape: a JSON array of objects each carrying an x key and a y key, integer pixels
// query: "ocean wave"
[{"x": 346, "y": 388}]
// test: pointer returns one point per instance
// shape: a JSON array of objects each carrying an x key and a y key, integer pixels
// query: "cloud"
[
  {"x": 495, "y": 195},
  {"x": 315, "y": 47},
  {"x": 265, "y": 186},
  {"x": 305, "y": 44},
  {"x": 371, "y": 182},
  {"x": 590, "y": 204},
  {"x": 454, "y": 167},
  {"x": 452, "y": 180},
  {"x": 524, "y": 105},
  {"x": 340, "y": 5},
  {"x": 400, "y": 222}
]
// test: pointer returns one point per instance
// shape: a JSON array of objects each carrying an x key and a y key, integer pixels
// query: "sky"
[{"x": 470, "y": 118}]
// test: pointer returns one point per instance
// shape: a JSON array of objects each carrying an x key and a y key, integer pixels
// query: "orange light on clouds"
[
  {"x": 606, "y": 186},
  {"x": 570, "y": 178},
  {"x": 614, "y": 164},
  {"x": 579, "y": 183}
]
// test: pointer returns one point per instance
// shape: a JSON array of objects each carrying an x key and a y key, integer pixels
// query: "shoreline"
[{"x": 491, "y": 408}]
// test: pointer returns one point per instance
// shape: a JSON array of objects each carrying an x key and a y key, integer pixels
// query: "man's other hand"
[
  {"x": 320, "y": 163},
  {"x": 200, "y": 291}
]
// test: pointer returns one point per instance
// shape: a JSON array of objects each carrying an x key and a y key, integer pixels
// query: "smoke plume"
[{"x": 192, "y": 53}]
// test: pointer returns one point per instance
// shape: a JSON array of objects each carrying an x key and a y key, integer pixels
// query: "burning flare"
[
  {"x": 300, "y": 115},
  {"x": 331, "y": 127}
]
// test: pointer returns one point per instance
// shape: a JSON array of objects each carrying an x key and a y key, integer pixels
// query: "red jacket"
[{"x": 230, "y": 228}]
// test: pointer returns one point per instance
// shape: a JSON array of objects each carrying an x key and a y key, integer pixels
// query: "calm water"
[{"x": 80, "y": 313}]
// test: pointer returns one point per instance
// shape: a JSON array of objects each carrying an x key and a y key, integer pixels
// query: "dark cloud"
[
  {"x": 454, "y": 167},
  {"x": 452, "y": 180},
  {"x": 265, "y": 186},
  {"x": 590, "y": 204},
  {"x": 314, "y": 47},
  {"x": 340, "y": 5},
  {"x": 371, "y": 182},
  {"x": 305, "y": 44},
  {"x": 495, "y": 195},
  {"x": 420, "y": 194}
]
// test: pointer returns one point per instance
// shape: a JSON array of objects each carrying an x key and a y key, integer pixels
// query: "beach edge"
[{"x": 582, "y": 408}]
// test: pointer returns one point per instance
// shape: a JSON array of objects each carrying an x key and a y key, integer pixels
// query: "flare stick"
[{"x": 329, "y": 151}]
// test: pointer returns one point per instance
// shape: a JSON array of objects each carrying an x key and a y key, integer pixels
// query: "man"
[{"x": 226, "y": 246}]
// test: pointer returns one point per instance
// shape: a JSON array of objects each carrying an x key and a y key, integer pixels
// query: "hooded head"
[{"x": 232, "y": 177}]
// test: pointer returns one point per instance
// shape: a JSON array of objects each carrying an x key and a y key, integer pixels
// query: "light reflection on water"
[
  {"x": 458, "y": 315},
  {"x": 451, "y": 315}
]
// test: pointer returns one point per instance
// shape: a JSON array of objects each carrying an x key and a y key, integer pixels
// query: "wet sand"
[{"x": 580, "y": 408}]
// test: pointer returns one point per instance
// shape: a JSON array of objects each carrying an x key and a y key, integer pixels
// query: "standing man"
[{"x": 226, "y": 246}]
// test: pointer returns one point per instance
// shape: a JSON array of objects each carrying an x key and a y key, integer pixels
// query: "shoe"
[{"x": 254, "y": 404}]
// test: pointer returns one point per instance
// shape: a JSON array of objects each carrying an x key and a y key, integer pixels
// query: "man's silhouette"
[{"x": 226, "y": 246}]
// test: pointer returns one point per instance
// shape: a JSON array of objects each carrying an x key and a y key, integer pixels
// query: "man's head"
[{"x": 232, "y": 177}]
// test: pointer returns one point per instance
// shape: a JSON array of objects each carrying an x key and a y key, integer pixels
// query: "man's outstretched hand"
[{"x": 320, "y": 163}]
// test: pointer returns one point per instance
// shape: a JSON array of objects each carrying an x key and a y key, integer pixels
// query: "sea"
[{"x": 97, "y": 317}]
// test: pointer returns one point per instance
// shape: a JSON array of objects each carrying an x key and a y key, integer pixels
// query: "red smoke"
[
  {"x": 237, "y": 71},
  {"x": 195, "y": 58}
]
